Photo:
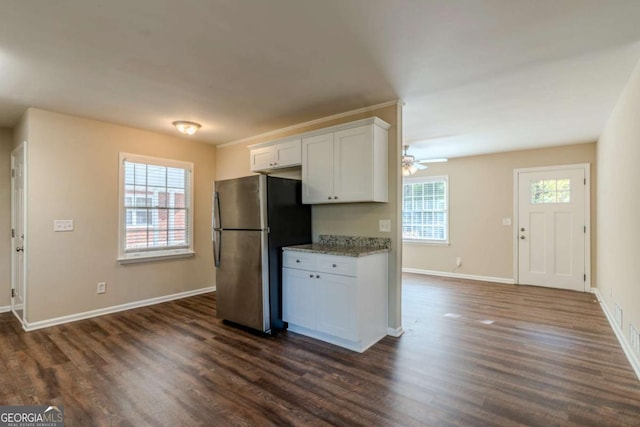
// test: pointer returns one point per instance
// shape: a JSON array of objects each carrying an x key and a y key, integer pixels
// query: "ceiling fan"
[{"x": 410, "y": 165}]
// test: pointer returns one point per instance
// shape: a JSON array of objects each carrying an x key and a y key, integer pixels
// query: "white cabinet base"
[
  {"x": 359, "y": 346},
  {"x": 338, "y": 299}
]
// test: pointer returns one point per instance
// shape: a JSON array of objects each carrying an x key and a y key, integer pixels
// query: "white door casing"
[
  {"x": 18, "y": 231},
  {"x": 552, "y": 229}
]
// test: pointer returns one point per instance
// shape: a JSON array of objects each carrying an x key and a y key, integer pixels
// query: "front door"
[
  {"x": 552, "y": 227},
  {"x": 18, "y": 279}
]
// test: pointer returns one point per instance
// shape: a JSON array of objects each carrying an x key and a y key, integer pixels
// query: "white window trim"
[
  {"x": 422, "y": 180},
  {"x": 151, "y": 255}
]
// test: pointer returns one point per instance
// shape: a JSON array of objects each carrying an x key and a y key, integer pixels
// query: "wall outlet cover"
[
  {"x": 506, "y": 221},
  {"x": 385, "y": 225},
  {"x": 62, "y": 225}
]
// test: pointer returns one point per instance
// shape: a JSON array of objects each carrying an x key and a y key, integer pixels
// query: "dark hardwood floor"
[{"x": 473, "y": 354}]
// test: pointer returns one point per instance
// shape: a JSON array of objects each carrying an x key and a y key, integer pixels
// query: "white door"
[
  {"x": 299, "y": 297},
  {"x": 18, "y": 231},
  {"x": 337, "y": 306},
  {"x": 317, "y": 169},
  {"x": 552, "y": 228},
  {"x": 353, "y": 159}
]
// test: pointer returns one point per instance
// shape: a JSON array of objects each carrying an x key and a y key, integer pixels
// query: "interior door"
[
  {"x": 552, "y": 228},
  {"x": 18, "y": 279}
]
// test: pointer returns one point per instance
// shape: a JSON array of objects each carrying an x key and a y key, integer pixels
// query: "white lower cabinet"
[{"x": 337, "y": 299}]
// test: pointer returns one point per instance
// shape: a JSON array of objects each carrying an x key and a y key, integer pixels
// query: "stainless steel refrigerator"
[{"x": 253, "y": 218}]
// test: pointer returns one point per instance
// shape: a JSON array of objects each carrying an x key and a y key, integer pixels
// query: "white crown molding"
[
  {"x": 311, "y": 122},
  {"x": 622, "y": 339},
  {"x": 505, "y": 280},
  {"x": 32, "y": 326}
]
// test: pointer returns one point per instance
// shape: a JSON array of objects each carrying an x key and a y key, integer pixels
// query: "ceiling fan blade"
[
  {"x": 432, "y": 160},
  {"x": 419, "y": 166}
]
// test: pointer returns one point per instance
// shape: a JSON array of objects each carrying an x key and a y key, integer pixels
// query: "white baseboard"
[
  {"x": 5, "y": 308},
  {"x": 626, "y": 346},
  {"x": 460, "y": 276},
  {"x": 31, "y": 326},
  {"x": 395, "y": 332}
]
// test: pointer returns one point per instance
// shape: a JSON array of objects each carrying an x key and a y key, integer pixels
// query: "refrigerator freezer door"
[
  {"x": 242, "y": 283},
  {"x": 240, "y": 203}
]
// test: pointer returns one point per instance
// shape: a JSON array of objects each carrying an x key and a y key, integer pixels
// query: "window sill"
[
  {"x": 426, "y": 242},
  {"x": 155, "y": 256}
]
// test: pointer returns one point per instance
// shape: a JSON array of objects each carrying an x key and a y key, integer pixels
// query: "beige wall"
[
  {"x": 481, "y": 195},
  {"x": 353, "y": 219},
  {"x": 6, "y": 145},
  {"x": 618, "y": 207},
  {"x": 73, "y": 174}
]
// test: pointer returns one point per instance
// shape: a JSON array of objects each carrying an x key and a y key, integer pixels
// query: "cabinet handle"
[
  {"x": 275, "y": 163},
  {"x": 334, "y": 266},
  {"x": 335, "y": 197},
  {"x": 311, "y": 275},
  {"x": 317, "y": 276},
  {"x": 297, "y": 260},
  {"x": 329, "y": 197}
]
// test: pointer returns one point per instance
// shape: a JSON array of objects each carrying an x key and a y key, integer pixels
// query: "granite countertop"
[{"x": 345, "y": 246}]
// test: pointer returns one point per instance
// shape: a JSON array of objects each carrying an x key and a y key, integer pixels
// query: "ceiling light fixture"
[{"x": 188, "y": 128}]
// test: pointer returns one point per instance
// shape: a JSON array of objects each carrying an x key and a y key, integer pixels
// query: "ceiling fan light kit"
[{"x": 409, "y": 164}]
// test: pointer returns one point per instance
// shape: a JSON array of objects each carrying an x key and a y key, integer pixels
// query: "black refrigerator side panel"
[{"x": 289, "y": 224}]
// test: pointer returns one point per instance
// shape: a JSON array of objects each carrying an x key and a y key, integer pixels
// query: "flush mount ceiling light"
[{"x": 188, "y": 128}]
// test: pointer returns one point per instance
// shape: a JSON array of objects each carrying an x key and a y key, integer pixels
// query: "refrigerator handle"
[
  {"x": 216, "y": 233},
  {"x": 217, "y": 247},
  {"x": 216, "y": 223}
]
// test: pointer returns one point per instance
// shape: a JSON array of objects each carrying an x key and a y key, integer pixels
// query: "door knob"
[
  {"x": 521, "y": 237},
  {"x": 522, "y": 229}
]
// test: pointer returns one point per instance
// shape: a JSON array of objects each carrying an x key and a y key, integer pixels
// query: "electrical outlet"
[
  {"x": 384, "y": 225},
  {"x": 506, "y": 221},
  {"x": 458, "y": 261},
  {"x": 62, "y": 225},
  {"x": 102, "y": 287}
]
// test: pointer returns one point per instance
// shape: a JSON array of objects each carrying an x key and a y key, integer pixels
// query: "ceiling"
[{"x": 476, "y": 76}]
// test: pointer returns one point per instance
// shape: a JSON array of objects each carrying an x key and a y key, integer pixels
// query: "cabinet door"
[
  {"x": 261, "y": 158},
  {"x": 317, "y": 169},
  {"x": 288, "y": 154},
  {"x": 337, "y": 306},
  {"x": 299, "y": 297},
  {"x": 353, "y": 160}
]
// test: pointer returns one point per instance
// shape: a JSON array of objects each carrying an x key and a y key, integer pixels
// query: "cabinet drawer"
[
  {"x": 299, "y": 260},
  {"x": 345, "y": 266}
]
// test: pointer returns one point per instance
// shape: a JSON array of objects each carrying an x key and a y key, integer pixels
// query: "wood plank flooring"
[{"x": 473, "y": 354}]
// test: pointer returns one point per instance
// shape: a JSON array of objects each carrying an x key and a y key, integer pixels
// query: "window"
[
  {"x": 425, "y": 206},
  {"x": 156, "y": 208},
  {"x": 551, "y": 191}
]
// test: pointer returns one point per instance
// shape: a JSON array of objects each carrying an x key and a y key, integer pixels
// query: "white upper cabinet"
[
  {"x": 347, "y": 165},
  {"x": 275, "y": 155}
]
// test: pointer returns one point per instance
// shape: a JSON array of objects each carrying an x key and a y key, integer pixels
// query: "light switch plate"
[
  {"x": 506, "y": 221},
  {"x": 385, "y": 225},
  {"x": 62, "y": 225}
]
